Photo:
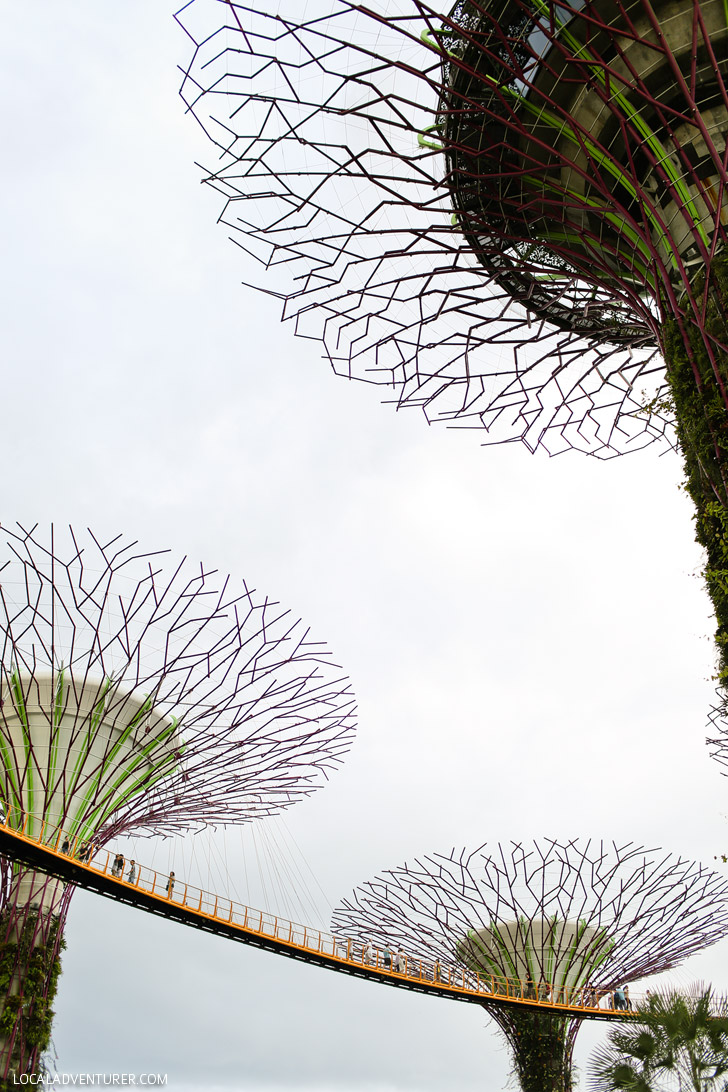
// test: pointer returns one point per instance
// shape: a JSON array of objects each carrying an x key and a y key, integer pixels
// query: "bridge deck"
[{"x": 201, "y": 909}]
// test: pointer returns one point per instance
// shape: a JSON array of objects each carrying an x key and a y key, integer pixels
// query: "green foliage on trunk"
[
  {"x": 30, "y": 966},
  {"x": 541, "y": 1051},
  {"x": 702, "y": 428}
]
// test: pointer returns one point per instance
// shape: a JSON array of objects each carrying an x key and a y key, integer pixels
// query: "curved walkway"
[{"x": 147, "y": 889}]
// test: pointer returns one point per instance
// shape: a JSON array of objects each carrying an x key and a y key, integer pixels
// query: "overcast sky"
[{"x": 529, "y": 639}]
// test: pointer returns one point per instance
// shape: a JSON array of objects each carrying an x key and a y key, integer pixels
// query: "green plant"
[
  {"x": 697, "y": 370},
  {"x": 676, "y": 1042},
  {"x": 541, "y": 1047},
  {"x": 30, "y": 966}
]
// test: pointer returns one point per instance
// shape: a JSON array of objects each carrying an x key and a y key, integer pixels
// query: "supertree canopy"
[
  {"x": 138, "y": 697},
  {"x": 557, "y": 917},
  {"x": 512, "y": 212}
]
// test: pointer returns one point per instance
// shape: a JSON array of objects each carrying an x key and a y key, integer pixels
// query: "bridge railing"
[{"x": 208, "y": 905}]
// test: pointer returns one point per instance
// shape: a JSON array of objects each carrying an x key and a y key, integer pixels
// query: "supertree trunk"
[
  {"x": 31, "y": 941},
  {"x": 541, "y": 1046},
  {"x": 695, "y": 340},
  {"x": 555, "y": 918},
  {"x": 137, "y": 699}
]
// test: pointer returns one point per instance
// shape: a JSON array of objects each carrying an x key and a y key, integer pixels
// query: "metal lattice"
[
  {"x": 138, "y": 696},
  {"x": 489, "y": 209},
  {"x": 571, "y": 918},
  {"x": 245, "y": 710},
  {"x": 648, "y": 911}
]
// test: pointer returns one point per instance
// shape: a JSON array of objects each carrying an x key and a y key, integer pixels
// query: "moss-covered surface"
[
  {"x": 541, "y": 1049},
  {"x": 698, "y": 385},
  {"x": 30, "y": 966}
]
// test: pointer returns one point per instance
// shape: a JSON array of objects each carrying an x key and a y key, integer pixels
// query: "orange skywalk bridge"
[{"x": 51, "y": 852}]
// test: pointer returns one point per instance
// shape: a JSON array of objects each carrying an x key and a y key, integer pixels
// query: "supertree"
[
  {"x": 138, "y": 696},
  {"x": 558, "y": 917},
  {"x": 511, "y": 212}
]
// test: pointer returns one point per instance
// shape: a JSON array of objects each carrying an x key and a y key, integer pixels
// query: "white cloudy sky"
[{"x": 528, "y": 638}]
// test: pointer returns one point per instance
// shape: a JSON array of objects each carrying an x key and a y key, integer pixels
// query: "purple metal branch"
[
  {"x": 649, "y": 910},
  {"x": 263, "y": 713},
  {"x": 487, "y": 209}
]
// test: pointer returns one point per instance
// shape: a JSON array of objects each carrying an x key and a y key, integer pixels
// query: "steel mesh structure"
[
  {"x": 139, "y": 697},
  {"x": 512, "y": 213},
  {"x": 489, "y": 208},
  {"x": 577, "y": 914}
]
